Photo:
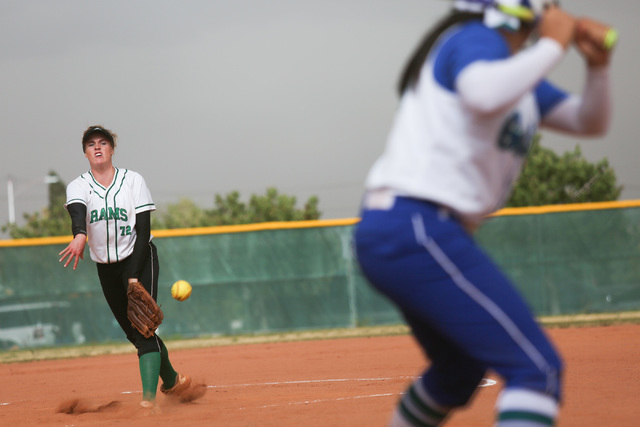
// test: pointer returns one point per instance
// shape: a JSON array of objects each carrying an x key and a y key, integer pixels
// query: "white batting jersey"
[
  {"x": 439, "y": 150},
  {"x": 111, "y": 212}
]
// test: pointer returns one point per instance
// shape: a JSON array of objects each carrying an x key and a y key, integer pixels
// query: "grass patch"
[
  {"x": 591, "y": 320},
  {"x": 30, "y": 355}
]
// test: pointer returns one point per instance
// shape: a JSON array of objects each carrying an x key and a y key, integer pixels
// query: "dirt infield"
[{"x": 338, "y": 382}]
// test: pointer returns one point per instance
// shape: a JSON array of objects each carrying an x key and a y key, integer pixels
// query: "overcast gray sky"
[{"x": 214, "y": 96}]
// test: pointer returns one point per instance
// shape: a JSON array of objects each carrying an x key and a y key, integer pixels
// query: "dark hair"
[
  {"x": 411, "y": 73},
  {"x": 111, "y": 136}
]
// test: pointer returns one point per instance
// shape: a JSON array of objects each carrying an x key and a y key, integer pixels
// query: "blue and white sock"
[
  {"x": 417, "y": 409},
  {"x": 526, "y": 408}
]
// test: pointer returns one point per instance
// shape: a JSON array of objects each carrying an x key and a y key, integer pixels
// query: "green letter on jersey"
[{"x": 117, "y": 213}]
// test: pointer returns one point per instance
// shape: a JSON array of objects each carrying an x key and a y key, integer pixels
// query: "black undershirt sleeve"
[
  {"x": 78, "y": 213},
  {"x": 141, "y": 247}
]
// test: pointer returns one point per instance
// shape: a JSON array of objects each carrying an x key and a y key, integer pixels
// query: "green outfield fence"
[{"x": 286, "y": 276}]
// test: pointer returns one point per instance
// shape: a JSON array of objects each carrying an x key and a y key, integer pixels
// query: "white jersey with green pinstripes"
[{"x": 111, "y": 212}]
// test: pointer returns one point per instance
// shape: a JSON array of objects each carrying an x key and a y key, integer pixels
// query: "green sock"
[
  {"x": 167, "y": 373},
  {"x": 149, "y": 372}
]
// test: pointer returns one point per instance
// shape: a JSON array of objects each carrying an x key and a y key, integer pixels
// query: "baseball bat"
[{"x": 598, "y": 33}]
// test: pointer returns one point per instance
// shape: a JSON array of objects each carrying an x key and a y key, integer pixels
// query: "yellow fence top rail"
[
  {"x": 283, "y": 225},
  {"x": 197, "y": 231},
  {"x": 537, "y": 210},
  {"x": 262, "y": 226}
]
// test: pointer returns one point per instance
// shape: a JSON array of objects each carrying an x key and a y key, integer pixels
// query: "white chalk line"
[
  {"x": 308, "y": 382},
  {"x": 337, "y": 399},
  {"x": 486, "y": 382},
  {"x": 292, "y": 382}
]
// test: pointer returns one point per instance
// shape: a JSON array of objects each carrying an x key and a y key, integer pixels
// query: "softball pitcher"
[
  {"x": 472, "y": 98},
  {"x": 111, "y": 208}
]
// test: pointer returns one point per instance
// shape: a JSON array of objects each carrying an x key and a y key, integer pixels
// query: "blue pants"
[{"x": 462, "y": 309}]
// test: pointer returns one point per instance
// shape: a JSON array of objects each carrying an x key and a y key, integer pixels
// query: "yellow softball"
[{"x": 181, "y": 290}]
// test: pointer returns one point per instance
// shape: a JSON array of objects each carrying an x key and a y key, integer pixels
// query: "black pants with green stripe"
[{"x": 114, "y": 287}]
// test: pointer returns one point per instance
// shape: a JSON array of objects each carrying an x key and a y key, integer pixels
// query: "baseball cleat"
[{"x": 184, "y": 390}]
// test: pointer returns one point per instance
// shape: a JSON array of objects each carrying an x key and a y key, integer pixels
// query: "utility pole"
[
  {"x": 49, "y": 179},
  {"x": 10, "y": 196}
]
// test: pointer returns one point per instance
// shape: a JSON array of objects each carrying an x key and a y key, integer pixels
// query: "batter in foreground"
[{"x": 472, "y": 99}]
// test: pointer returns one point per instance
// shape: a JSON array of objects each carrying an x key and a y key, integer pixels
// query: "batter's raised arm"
[
  {"x": 589, "y": 113},
  {"x": 487, "y": 87}
]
